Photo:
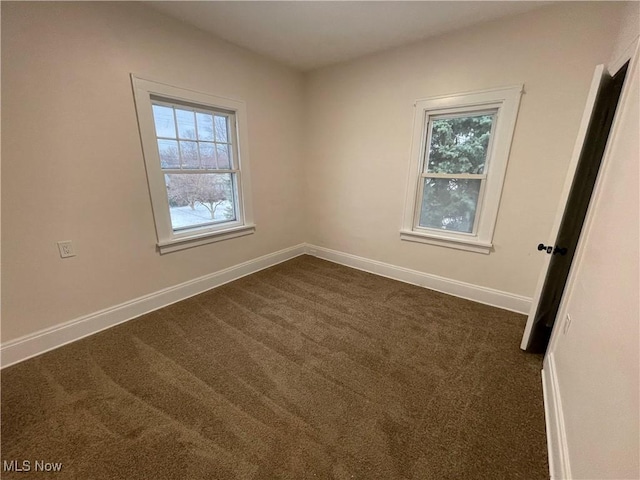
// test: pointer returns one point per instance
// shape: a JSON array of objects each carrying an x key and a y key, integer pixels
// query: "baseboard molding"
[
  {"x": 29, "y": 346},
  {"x": 37, "y": 343},
  {"x": 488, "y": 296},
  {"x": 559, "y": 465}
]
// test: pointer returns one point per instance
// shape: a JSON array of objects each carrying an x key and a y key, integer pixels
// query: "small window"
[
  {"x": 197, "y": 178},
  {"x": 195, "y": 148},
  {"x": 459, "y": 159}
]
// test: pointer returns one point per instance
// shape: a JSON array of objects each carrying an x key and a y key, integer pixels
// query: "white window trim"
[
  {"x": 168, "y": 240},
  {"x": 506, "y": 101}
]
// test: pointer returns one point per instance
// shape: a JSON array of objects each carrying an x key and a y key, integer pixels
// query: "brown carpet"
[{"x": 304, "y": 370}]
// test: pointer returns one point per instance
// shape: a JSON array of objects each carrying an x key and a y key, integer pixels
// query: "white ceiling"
[{"x": 312, "y": 34}]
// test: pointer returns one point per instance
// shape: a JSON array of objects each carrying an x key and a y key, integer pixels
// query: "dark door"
[{"x": 575, "y": 211}]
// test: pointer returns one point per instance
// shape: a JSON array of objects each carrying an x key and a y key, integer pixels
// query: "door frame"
[
  {"x": 632, "y": 55},
  {"x": 599, "y": 74}
]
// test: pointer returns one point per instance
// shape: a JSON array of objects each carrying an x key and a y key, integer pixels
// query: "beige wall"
[
  {"x": 627, "y": 34},
  {"x": 359, "y": 133},
  {"x": 72, "y": 161},
  {"x": 597, "y": 362},
  {"x": 329, "y": 150}
]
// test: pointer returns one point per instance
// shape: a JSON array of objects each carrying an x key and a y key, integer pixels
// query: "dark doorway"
[{"x": 575, "y": 211}]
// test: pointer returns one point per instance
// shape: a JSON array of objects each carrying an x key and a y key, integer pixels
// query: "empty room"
[{"x": 328, "y": 240}]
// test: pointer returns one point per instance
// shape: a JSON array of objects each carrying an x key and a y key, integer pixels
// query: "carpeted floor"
[{"x": 304, "y": 370}]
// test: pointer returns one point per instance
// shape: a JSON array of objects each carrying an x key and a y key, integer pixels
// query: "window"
[
  {"x": 195, "y": 155},
  {"x": 458, "y": 162}
]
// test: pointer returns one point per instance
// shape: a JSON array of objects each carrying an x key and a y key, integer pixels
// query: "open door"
[{"x": 581, "y": 177}]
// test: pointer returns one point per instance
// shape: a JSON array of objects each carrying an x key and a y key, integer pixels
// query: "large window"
[
  {"x": 197, "y": 178},
  {"x": 459, "y": 159}
]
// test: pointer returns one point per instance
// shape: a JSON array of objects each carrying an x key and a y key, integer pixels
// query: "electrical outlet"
[
  {"x": 567, "y": 324},
  {"x": 66, "y": 249}
]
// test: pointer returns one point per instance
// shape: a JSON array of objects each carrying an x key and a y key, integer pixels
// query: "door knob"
[
  {"x": 556, "y": 251},
  {"x": 561, "y": 251},
  {"x": 542, "y": 246}
]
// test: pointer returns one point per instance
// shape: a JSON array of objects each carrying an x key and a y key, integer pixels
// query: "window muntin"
[
  {"x": 196, "y": 152},
  {"x": 454, "y": 170}
]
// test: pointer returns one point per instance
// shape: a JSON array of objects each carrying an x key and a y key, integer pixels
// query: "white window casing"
[
  {"x": 503, "y": 104},
  {"x": 170, "y": 238}
]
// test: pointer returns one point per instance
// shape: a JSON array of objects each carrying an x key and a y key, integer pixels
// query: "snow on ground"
[{"x": 186, "y": 217}]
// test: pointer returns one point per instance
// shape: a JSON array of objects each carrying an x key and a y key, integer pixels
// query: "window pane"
[
  {"x": 189, "y": 152},
  {"x": 168, "y": 150},
  {"x": 459, "y": 144},
  {"x": 207, "y": 155},
  {"x": 449, "y": 203},
  {"x": 221, "y": 129},
  {"x": 163, "y": 119},
  {"x": 205, "y": 126},
  {"x": 200, "y": 199},
  {"x": 224, "y": 159},
  {"x": 186, "y": 124}
]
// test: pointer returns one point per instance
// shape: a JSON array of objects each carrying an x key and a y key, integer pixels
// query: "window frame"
[
  {"x": 505, "y": 103},
  {"x": 146, "y": 92}
]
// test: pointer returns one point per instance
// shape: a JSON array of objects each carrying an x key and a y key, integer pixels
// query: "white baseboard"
[
  {"x": 559, "y": 465},
  {"x": 488, "y": 296},
  {"x": 42, "y": 341},
  {"x": 51, "y": 338}
]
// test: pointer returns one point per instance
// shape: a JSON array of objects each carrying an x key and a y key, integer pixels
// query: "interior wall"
[
  {"x": 596, "y": 361},
  {"x": 329, "y": 150},
  {"x": 73, "y": 166},
  {"x": 359, "y": 128}
]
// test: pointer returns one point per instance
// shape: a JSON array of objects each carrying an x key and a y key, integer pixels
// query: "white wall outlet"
[
  {"x": 567, "y": 324},
  {"x": 66, "y": 249}
]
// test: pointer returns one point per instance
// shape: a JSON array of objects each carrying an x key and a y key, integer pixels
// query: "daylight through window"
[
  {"x": 459, "y": 160},
  {"x": 195, "y": 148},
  {"x": 454, "y": 171},
  {"x": 198, "y": 179}
]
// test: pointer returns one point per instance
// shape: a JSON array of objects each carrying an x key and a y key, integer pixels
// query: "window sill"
[
  {"x": 175, "y": 244},
  {"x": 470, "y": 245}
]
